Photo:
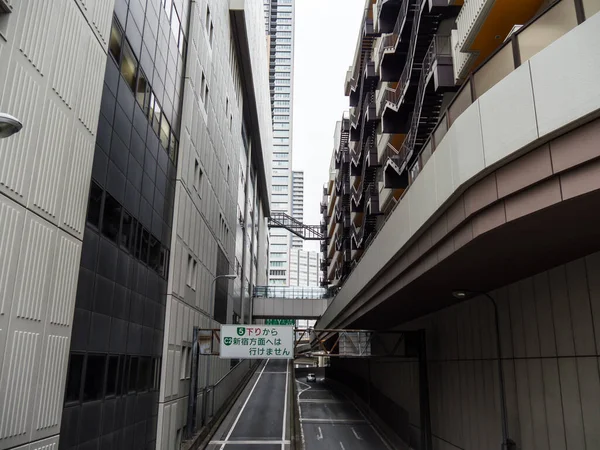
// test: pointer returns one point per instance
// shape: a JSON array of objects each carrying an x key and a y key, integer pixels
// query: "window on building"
[
  {"x": 165, "y": 132},
  {"x": 132, "y": 374},
  {"x": 111, "y": 375},
  {"x": 115, "y": 41},
  {"x": 145, "y": 244},
  {"x": 197, "y": 175},
  {"x": 190, "y": 269},
  {"x": 144, "y": 379},
  {"x": 94, "y": 377},
  {"x": 111, "y": 218},
  {"x": 142, "y": 92},
  {"x": 94, "y": 205},
  {"x": 127, "y": 231},
  {"x": 128, "y": 66},
  {"x": 74, "y": 378}
]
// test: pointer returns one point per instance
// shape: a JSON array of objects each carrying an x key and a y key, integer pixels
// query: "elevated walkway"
[{"x": 274, "y": 302}]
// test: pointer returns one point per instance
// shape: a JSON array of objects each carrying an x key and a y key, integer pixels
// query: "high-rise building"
[
  {"x": 297, "y": 205},
  {"x": 304, "y": 267},
  {"x": 142, "y": 172},
  {"x": 279, "y": 17}
]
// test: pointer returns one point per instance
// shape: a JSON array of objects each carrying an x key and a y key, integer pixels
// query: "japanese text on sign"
[{"x": 257, "y": 341}]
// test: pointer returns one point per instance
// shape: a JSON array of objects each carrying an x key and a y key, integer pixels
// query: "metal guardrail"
[{"x": 292, "y": 292}]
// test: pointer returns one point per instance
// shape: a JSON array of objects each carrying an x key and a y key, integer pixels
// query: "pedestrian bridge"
[{"x": 277, "y": 302}]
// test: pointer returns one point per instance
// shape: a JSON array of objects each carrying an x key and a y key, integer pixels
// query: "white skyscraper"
[{"x": 279, "y": 19}]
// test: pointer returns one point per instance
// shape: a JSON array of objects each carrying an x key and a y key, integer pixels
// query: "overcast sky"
[{"x": 326, "y": 36}]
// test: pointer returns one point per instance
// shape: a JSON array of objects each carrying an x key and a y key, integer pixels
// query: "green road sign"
[{"x": 280, "y": 322}]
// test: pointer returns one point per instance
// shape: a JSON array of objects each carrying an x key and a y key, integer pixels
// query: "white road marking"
[
  {"x": 342, "y": 445},
  {"x": 320, "y": 435},
  {"x": 248, "y": 442},
  {"x": 370, "y": 424},
  {"x": 356, "y": 435},
  {"x": 307, "y": 420},
  {"x": 318, "y": 400},
  {"x": 243, "y": 407},
  {"x": 283, "y": 425}
]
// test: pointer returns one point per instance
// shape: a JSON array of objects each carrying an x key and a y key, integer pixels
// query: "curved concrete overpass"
[{"x": 511, "y": 190}]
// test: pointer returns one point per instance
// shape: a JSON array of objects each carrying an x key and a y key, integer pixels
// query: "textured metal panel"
[
  {"x": 90, "y": 92},
  {"x": 75, "y": 193},
  {"x": 30, "y": 294},
  {"x": 65, "y": 71},
  {"x": 22, "y": 101},
  {"x": 17, "y": 383},
  {"x": 11, "y": 222},
  {"x": 34, "y": 36},
  {"x": 65, "y": 279},
  {"x": 52, "y": 382},
  {"x": 50, "y": 156}
]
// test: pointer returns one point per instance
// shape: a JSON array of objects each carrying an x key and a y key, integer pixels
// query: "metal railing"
[
  {"x": 395, "y": 96},
  {"x": 389, "y": 42},
  {"x": 306, "y": 232},
  {"x": 438, "y": 46},
  {"x": 291, "y": 292}
]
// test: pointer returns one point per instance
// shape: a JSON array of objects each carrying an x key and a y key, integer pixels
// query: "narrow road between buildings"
[
  {"x": 330, "y": 421},
  {"x": 260, "y": 417}
]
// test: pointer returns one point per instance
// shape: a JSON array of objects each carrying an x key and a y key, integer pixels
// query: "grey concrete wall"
[{"x": 549, "y": 333}]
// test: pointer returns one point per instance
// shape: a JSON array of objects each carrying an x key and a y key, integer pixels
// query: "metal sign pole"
[{"x": 192, "y": 398}]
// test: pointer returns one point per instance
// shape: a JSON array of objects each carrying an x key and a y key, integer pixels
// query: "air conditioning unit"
[{"x": 5, "y": 6}]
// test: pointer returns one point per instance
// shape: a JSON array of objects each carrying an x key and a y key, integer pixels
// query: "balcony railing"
[
  {"x": 440, "y": 46},
  {"x": 389, "y": 42},
  {"x": 291, "y": 292}
]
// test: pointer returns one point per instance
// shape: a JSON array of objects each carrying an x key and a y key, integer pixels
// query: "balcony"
[
  {"x": 385, "y": 11},
  {"x": 482, "y": 26},
  {"x": 354, "y": 77},
  {"x": 435, "y": 79},
  {"x": 392, "y": 48}
]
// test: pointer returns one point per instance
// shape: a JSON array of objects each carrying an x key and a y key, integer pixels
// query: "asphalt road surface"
[
  {"x": 260, "y": 417},
  {"x": 330, "y": 421}
]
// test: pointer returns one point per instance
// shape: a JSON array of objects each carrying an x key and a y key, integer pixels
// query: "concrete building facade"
[
  {"x": 142, "y": 173},
  {"x": 304, "y": 267},
  {"x": 484, "y": 233}
]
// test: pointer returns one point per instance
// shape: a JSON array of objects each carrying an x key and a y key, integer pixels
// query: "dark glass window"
[
  {"x": 127, "y": 231},
  {"x": 74, "y": 378},
  {"x": 173, "y": 149},
  {"x": 129, "y": 66},
  {"x": 144, "y": 374},
  {"x": 165, "y": 132},
  {"x": 164, "y": 262},
  {"x": 122, "y": 374},
  {"x": 111, "y": 218},
  {"x": 144, "y": 246},
  {"x": 94, "y": 205},
  {"x": 154, "y": 258},
  {"x": 94, "y": 377},
  {"x": 115, "y": 43},
  {"x": 133, "y": 369},
  {"x": 142, "y": 92},
  {"x": 156, "y": 116},
  {"x": 111, "y": 375}
]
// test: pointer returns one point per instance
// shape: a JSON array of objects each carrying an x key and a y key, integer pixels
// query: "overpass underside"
[{"x": 285, "y": 308}]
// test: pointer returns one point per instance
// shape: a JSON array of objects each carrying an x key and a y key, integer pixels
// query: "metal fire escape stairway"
[{"x": 417, "y": 93}]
